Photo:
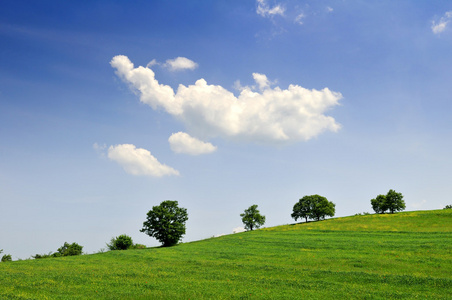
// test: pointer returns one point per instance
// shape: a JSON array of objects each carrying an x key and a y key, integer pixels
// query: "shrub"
[
  {"x": 69, "y": 250},
  {"x": 122, "y": 242},
  {"x": 6, "y": 257},
  {"x": 138, "y": 246},
  {"x": 448, "y": 206}
]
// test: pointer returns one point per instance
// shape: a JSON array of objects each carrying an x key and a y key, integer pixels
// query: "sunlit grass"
[{"x": 361, "y": 257}]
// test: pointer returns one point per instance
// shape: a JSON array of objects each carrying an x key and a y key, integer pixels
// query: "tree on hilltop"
[
  {"x": 392, "y": 201},
  {"x": 379, "y": 204},
  {"x": 166, "y": 222},
  {"x": 252, "y": 218},
  {"x": 302, "y": 208},
  {"x": 314, "y": 207}
]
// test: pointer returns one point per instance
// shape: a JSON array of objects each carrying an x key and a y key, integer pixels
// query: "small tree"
[
  {"x": 252, "y": 218},
  {"x": 449, "y": 206},
  {"x": 122, "y": 242},
  {"x": 379, "y": 204},
  {"x": 69, "y": 250},
  {"x": 166, "y": 222},
  {"x": 392, "y": 201},
  {"x": 302, "y": 208}
]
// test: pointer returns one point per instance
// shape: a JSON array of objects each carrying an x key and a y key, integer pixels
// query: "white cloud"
[
  {"x": 264, "y": 10},
  {"x": 182, "y": 142},
  {"x": 329, "y": 9},
  {"x": 152, "y": 63},
  {"x": 180, "y": 63},
  {"x": 138, "y": 161},
  {"x": 441, "y": 25},
  {"x": 261, "y": 80},
  {"x": 272, "y": 115}
]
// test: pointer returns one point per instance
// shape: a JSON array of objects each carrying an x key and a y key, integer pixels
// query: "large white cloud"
[
  {"x": 138, "y": 161},
  {"x": 182, "y": 142},
  {"x": 270, "y": 115},
  {"x": 441, "y": 25}
]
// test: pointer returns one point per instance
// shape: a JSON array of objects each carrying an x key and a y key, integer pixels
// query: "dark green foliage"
[
  {"x": 314, "y": 207},
  {"x": 6, "y": 257},
  {"x": 122, "y": 242},
  {"x": 446, "y": 207},
  {"x": 166, "y": 222},
  {"x": 65, "y": 250},
  {"x": 252, "y": 218},
  {"x": 378, "y": 204},
  {"x": 392, "y": 201},
  {"x": 70, "y": 249},
  {"x": 302, "y": 208},
  {"x": 321, "y": 207}
]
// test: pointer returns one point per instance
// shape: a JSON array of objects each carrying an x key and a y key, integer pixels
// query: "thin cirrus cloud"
[
  {"x": 139, "y": 161},
  {"x": 182, "y": 142},
  {"x": 264, "y": 10},
  {"x": 269, "y": 115},
  {"x": 441, "y": 25}
]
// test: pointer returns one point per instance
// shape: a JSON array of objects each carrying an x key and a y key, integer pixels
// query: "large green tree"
[
  {"x": 302, "y": 208},
  {"x": 314, "y": 207},
  {"x": 321, "y": 207},
  {"x": 392, "y": 201},
  {"x": 252, "y": 218},
  {"x": 166, "y": 222}
]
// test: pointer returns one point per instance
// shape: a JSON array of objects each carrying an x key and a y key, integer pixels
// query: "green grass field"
[{"x": 403, "y": 256}]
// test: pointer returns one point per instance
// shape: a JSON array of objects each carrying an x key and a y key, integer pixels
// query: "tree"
[
  {"x": 379, "y": 204},
  {"x": 69, "y": 250},
  {"x": 122, "y": 242},
  {"x": 302, "y": 208},
  {"x": 314, "y": 207},
  {"x": 449, "y": 206},
  {"x": 166, "y": 222},
  {"x": 392, "y": 201},
  {"x": 252, "y": 218},
  {"x": 321, "y": 207}
]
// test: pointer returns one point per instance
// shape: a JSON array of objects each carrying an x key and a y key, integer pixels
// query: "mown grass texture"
[{"x": 401, "y": 256}]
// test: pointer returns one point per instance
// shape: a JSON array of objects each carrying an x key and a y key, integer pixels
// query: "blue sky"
[{"x": 108, "y": 108}]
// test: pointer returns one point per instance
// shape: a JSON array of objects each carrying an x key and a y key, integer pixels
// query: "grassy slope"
[{"x": 407, "y": 255}]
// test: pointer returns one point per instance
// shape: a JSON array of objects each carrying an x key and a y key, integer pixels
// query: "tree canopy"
[
  {"x": 392, "y": 201},
  {"x": 252, "y": 218},
  {"x": 122, "y": 242},
  {"x": 314, "y": 207},
  {"x": 166, "y": 222}
]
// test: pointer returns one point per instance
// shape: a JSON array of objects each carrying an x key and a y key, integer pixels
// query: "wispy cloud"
[
  {"x": 139, "y": 161},
  {"x": 299, "y": 18},
  {"x": 442, "y": 23},
  {"x": 264, "y": 10},
  {"x": 269, "y": 115}
]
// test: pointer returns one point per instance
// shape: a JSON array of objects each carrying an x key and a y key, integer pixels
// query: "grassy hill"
[{"x": 407, "y": 255}]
